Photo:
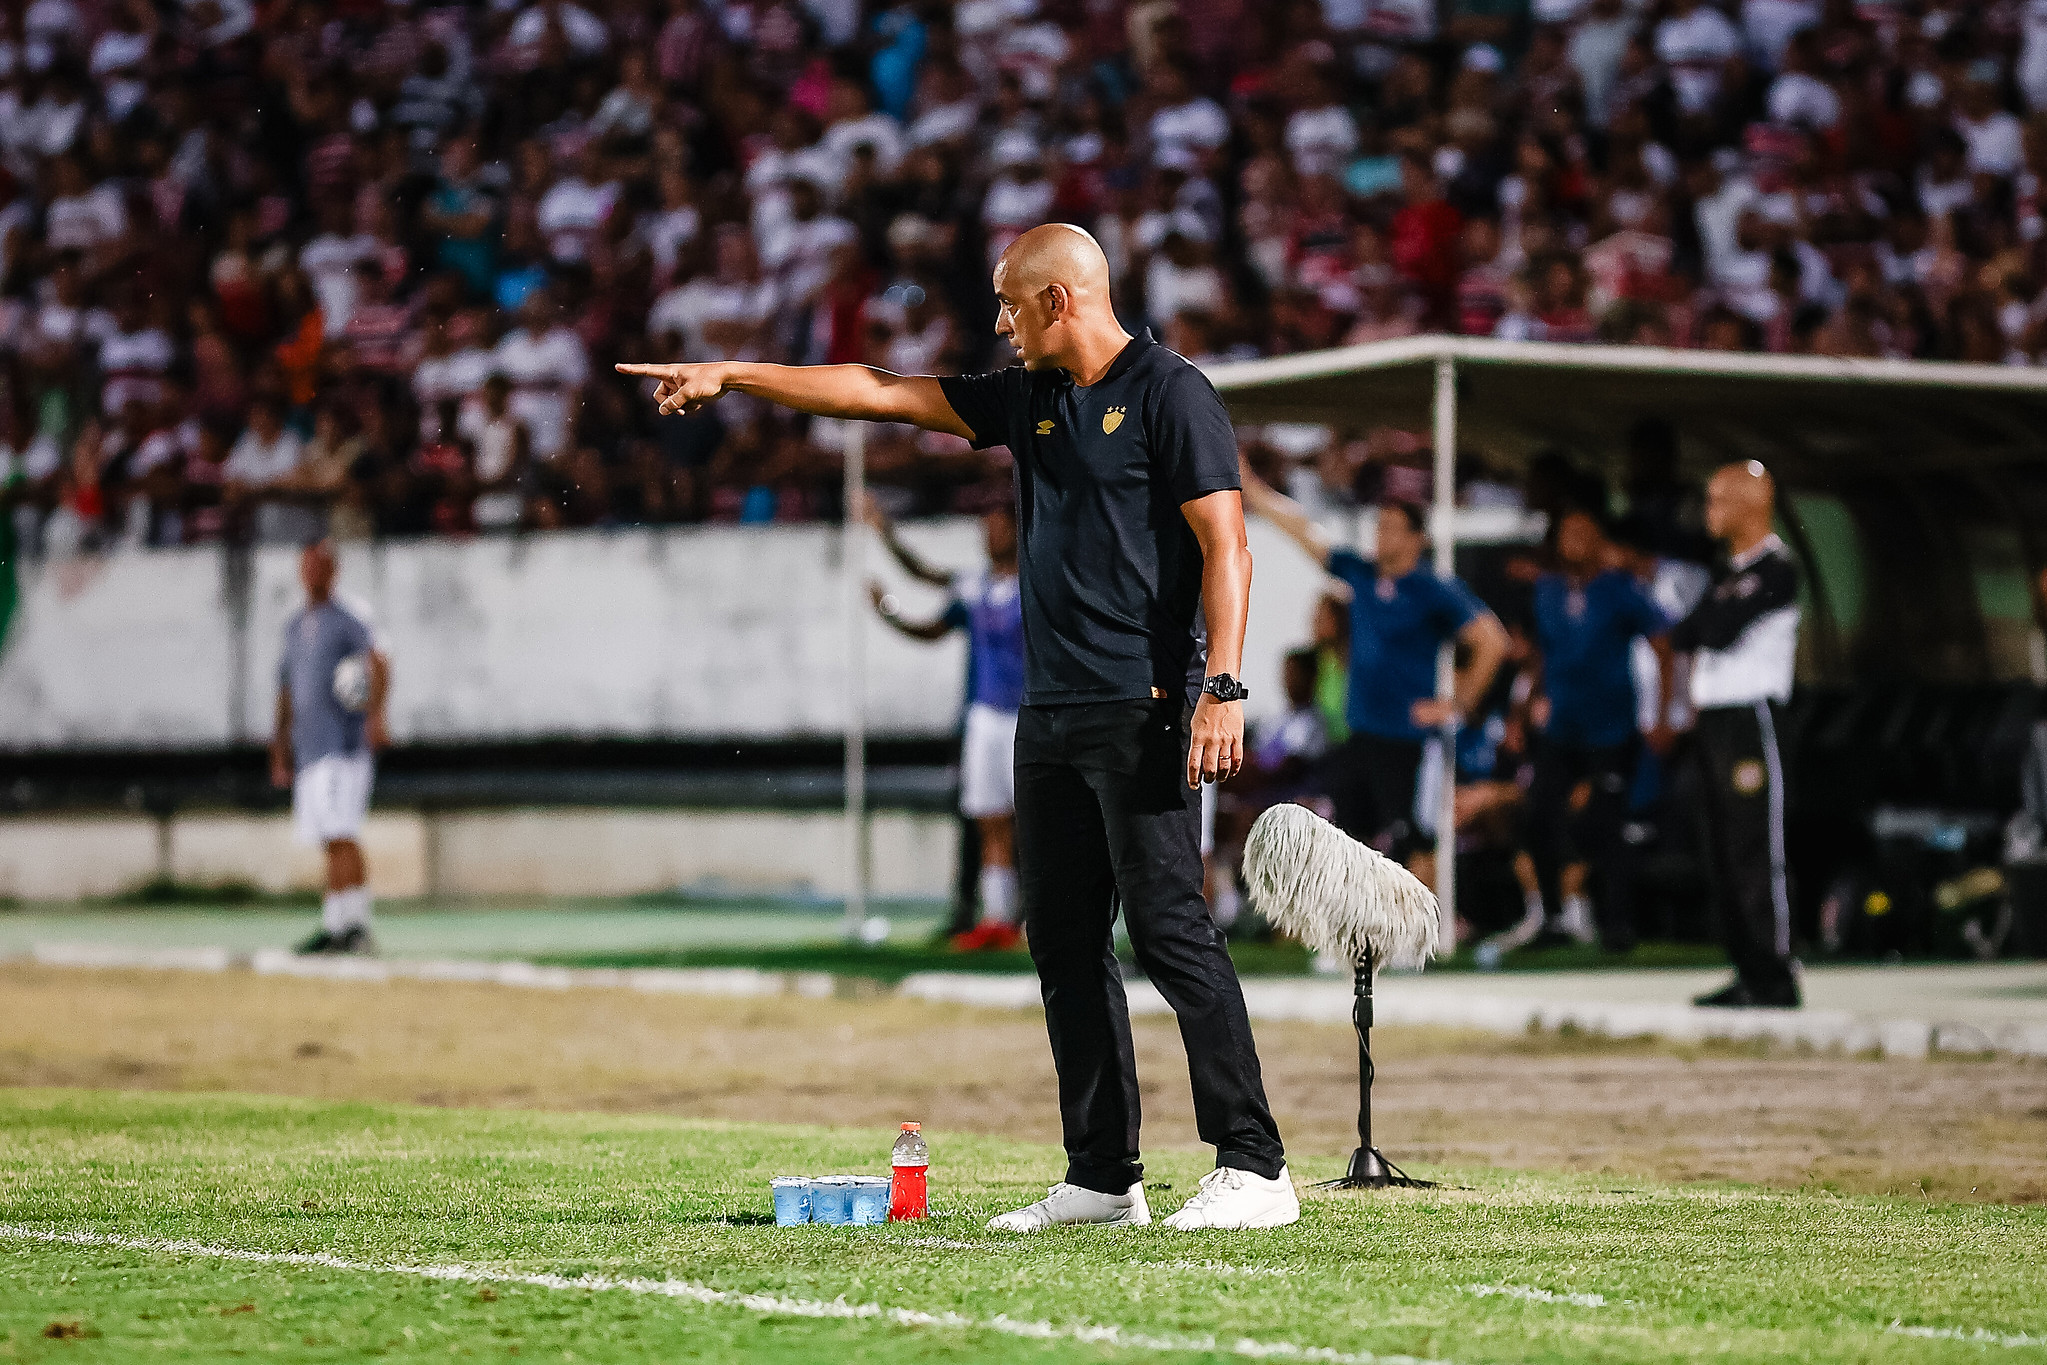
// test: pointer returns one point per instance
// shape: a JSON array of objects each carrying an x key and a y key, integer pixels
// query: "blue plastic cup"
[
  {"x": 792, "y": 1200},
  {"x": 870, "y": 1200},
  {"x": 831, "y": 1200}
]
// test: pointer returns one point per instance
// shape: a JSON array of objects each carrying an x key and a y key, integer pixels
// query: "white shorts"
[
  {"x": 330, "y": 796},
  {"x": 988, "y": 763}
]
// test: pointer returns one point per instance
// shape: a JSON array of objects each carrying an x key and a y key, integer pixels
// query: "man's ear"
[{"x": 1058, "y": 300}]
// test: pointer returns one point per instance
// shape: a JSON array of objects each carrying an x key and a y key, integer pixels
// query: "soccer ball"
[{"x": 352, "y": 682}]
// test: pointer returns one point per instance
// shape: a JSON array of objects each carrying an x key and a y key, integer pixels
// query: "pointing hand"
[{"x": 682, "y": 388}]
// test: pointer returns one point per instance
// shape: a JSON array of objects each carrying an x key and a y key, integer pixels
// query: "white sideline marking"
[
  {"x": 769, "y": 1305},
  {"x": 1249, "y": 1272},
  {"x": 1532, "y": 1295},
  {"x": 1973, "y": 1334},
  {"x": 944, "y": 1244}
]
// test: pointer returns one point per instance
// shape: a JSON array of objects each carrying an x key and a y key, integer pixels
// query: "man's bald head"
[
  {"x": 1052, "y": 293},
  {"x": 1054, "y": 253},
  {"x": 1741, "y": 502}
]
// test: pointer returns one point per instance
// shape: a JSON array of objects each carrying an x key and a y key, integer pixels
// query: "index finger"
[{"x": 651, "y": 371}]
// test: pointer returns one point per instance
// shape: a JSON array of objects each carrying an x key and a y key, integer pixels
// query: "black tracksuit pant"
[
  {"x": 1741, "y": 805},
  {"x": 1591, "y": 834},
  {"x": 1104, "y": 818}
]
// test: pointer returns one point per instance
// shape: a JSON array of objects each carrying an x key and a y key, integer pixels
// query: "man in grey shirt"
[{"x": 331, "y": 683}]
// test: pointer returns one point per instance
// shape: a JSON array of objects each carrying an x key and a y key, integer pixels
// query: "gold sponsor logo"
[
  {"x": 1749, "y": 776},
  {"x": 1112, "y": 419},
  {"x": 1045, "y": 427}
]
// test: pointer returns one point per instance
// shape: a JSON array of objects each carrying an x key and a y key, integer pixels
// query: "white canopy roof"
[{"x": 1802, "y": 415}]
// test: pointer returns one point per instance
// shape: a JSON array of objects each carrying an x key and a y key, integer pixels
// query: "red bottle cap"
[{"x": 913, "y": 1127}]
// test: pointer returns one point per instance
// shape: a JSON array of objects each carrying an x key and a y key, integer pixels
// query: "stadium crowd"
[{"x": 362, "y": 264}]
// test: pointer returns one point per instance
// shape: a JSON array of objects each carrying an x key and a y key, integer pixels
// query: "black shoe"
[
  {"x": 321, "y": 942},
  {"x": 1740, "y": 996},
  {"x": 354, "y": 939},
  {"x": 1732, "y": 997}
]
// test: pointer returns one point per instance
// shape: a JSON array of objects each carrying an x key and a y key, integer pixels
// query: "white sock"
[
  {"x": 998, "y": 895},
  {"x": 1577, "y": 920},
  {"x": 334, "y": 912},
  {"x": 1531, "y": 906},
  {"x": 351, "y": 910}
]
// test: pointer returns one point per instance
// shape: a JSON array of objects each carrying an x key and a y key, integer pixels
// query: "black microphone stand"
[{"x": 1368, "y": 1169}]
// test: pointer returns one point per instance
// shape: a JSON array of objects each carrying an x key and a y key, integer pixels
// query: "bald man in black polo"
[{"x": 1132, "y": 533}]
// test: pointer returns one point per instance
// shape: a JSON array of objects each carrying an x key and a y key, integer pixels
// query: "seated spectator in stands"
[
  {"x": 501, "y": 457},
  {"x": 260, "y": 474},
  {"x": 547, "y": 366}
]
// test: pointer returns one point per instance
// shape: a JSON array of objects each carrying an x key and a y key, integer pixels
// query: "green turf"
[
  {"x": 511, "y": 928},
  {"x": 1687, "y": 1273}
]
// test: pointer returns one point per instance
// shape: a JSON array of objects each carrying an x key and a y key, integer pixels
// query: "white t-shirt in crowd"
[
  {"x": 667, "y": 233},
  {"x": 585, "y": 32},
  {"x": 1796, "y": 97},
  {"x": 1694, "y": 47},
  {"x": 1997, "y": 144},
  {"x": 261, "y": 463},
  {"x": 84, "y": 221},
  {"x": 1198, "y": 125},
  {"x": 878, "y": 131},
  {"x": 570, "y": 214},
  {"x": 455, "y": 375},
  {"x": 689, "y": 309},
  {"x": 134, "y": 364},
  {"x": 330, "y": 262},
  {"x": 800, "y": 252},
  {"x": 1321, "y": 141},
  {"x": 545, "y": 372},
  {"x": 1771, "y": 24}
]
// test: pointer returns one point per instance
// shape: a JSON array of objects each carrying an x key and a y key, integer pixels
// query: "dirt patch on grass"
[{"x": 1944, "y": 1129}]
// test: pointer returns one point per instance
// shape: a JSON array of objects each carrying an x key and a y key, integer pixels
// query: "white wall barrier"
[{"x": 698, "y": 633}]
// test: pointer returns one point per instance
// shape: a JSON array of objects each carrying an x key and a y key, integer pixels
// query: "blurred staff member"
[
  {"x": 1401, "y": 613},
  {"x": 1588, "y": 617},
  {"x": 988, "y": 605},
  {"x": 331, "y": 683},
  {"x": 1743, "y": 635}
]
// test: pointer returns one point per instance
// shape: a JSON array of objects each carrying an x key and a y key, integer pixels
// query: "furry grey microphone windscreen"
[{"x": 1315, "y": 883}]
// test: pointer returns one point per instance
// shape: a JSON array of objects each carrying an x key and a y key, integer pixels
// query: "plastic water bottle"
[{"x": 910, "y": 1163}]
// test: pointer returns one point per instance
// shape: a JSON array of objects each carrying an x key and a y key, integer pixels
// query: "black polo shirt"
[{"x": 1111, "y": 571}]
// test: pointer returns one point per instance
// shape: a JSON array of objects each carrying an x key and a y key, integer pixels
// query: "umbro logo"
[
  {"x": 1045, "y": 428},
  {"x": 1112, "y": 419}
]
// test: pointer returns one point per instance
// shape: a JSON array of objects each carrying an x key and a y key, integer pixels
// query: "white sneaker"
[
  {"x": 1230, "y": 1198},
  {"x": 1576, "y": 921},
  {"x": 1068, "y": 1205}
]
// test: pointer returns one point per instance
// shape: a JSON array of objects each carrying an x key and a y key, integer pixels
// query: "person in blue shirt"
[
  {"x": 1588, "y": 614},
  {"x": 988, "y": 606},
  {"x": 333, "y": 674},
  {"x": 1401, "y": 614}
]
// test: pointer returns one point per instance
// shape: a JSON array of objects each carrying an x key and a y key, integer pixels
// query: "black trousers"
[
  {"x": 1590, "y": 834},
  {"x": 1104, "y": 818},
  {"x": 1741, "y": 809},
  {"x": 1371, "y": 783}
]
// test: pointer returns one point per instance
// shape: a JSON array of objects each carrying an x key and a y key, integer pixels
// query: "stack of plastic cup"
[
  {"x": 831, "y": 1199},
  {"x": 792, "y": 1200},
  {"x": 870, "y": 1199}
]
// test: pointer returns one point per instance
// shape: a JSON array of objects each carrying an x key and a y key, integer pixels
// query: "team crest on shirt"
[
  {"x": 1748, "y": 776},
  {"x": 1045, "y": 427},
  {"x": 1112, "y": 419}
]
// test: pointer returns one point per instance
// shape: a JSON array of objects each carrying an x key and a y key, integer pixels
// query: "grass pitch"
[{"x": 513, "y": 1207}]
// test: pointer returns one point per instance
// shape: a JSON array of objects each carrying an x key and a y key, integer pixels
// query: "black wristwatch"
[{"x": 1223, "y": 687}]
